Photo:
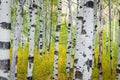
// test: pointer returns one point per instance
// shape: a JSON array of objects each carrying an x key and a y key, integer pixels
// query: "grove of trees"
[{"x": 59, "y": 40}]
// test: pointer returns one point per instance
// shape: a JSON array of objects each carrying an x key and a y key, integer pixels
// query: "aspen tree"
[{"x": 5, "y": 27}]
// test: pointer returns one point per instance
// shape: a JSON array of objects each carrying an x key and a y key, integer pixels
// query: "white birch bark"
[
  {"x": 16, "y": 40},
  {"x": 5, "y": 26},
  {"x": 69, "y": 41},
  {"x": 57, "y": 36},
  {"x": 84, "y": 43},
  {"x": 33, "y": 13},
  {"x": 77, "y": 71},
  {"x": 41, "y": 28},
  {"x": 88, "y": 37}
]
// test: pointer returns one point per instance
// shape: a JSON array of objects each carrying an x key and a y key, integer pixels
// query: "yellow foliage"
[{"x": 43, "y": 66}]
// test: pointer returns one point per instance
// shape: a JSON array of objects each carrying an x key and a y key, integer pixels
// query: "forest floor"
[{"x": 43, "y": 66}]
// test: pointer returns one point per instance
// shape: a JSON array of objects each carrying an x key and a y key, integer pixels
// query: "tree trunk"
[
  {"x": 78, "y": 73},
  {"x": 16, "y": 41},
  {"x": 69, "y": 41},
  {"x": 33, "y": 11},
  {"x": 87, "y": 34},
  {"x": 114, "y": 27},
  {"x": 95, "y": 30},
  {"x": 57, "y": 36},
  {"x": 28, "y": 18},
  {"x": 84, "y": 42},
  {"x": 45, "y": 29},
  {"x": 118, "y": 64},
  {"x": 100, "y": 42},
  {"x": 5, "y": 26},
  {"x": 49, "y": 25},
  {"x": 41, "y": 28},
  {"x": 107, "y": 35},
  {"x": 111, "y": 52}
]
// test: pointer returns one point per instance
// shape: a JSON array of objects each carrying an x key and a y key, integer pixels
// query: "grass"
[
  {"x": 43, "y": 67},
  {"x": 106, "y": 65}
]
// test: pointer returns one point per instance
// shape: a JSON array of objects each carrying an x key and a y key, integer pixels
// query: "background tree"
[
  {"x": 57, "y": 35},
  {"x": 100, "y": 41},
  {"x": 41, "y": 28},
  {"x": 110, "y": 28},
  {"x": 16, "y": 41},
  {"x": 69, "y": 41},
  {"x": 33, "y": 13}
]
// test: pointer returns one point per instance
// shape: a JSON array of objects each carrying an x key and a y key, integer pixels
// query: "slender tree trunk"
[
  {"x": 74, "y": 39},
  {"x": 41, "y": 28},
  {"x": 100, "y": 42},
  {"x": 118, "y": 64},
  {"x": 16, "y": 41},
  {"x": 51, "y": 23},
  {"x": 49, "y": 26},
  {"x": 33, "y": 14},
  {"x": 78, "y": 72},
  {"x": 28, "y": 17},
  {"x": 111, "y": 52},
  {"x": 45, "y": 29},
  {"x": 13, "y": 7},
  {"x": 22, "y": 38},
  {"x": 57, "y": 35},
  {"x": 107, "y": 35},
  {"x": 5, "y": 26},
  {"x": 69, "y": 41},
  {"x": 114, "y": 28},
  {"x": 95, "y": 30}
]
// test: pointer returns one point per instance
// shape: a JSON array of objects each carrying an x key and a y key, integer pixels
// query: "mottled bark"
[
  {"x": 84, "y": 42},
  {"x": 5, "y": 27},
  {"x": 78, "y": 72},
  {"x": 87, "y": 34},
  {"x": 57, "y": 36},
  {"x": 69, "y": 41},
  {"x": 41, "y": 28},
  {"x": 33, "y": 13}
]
